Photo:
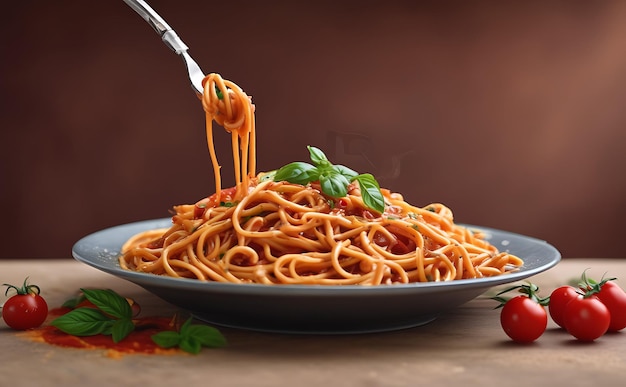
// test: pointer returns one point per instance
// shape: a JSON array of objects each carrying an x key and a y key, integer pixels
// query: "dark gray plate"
[{"x": 312, "y": 308}]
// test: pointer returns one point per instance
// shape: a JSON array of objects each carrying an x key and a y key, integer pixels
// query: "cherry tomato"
[
  {"x": 586, "y": 318},
  {"x": 614, "y": 298},
  {"x": 523, "y": 319},
  {"x": 559, "y": 298},
  {"x": 26, "y": 309}
]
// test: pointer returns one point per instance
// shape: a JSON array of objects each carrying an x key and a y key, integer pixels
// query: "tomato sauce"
[{"x": 138, "y": 341}]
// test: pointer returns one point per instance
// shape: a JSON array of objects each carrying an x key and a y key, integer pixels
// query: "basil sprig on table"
[
  {"x": 334, "y": 179},
  {"x": 190, "y": 338},
  {"x": 113, "y": 316}
]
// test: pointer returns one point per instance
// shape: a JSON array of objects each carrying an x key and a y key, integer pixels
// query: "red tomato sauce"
[{"x": 137, "y": 342}]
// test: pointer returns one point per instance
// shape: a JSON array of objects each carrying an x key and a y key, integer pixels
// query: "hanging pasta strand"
[{"x": 228, "y": 105}]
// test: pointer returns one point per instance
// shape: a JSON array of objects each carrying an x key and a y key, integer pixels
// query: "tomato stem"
[
  {"x": 588, "y": 286},
  {"x": 25, "y": 289},
  {"x": 531, "y": 290}
]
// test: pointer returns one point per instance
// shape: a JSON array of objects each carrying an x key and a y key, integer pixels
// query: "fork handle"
[{"x": 169, "y": 36}]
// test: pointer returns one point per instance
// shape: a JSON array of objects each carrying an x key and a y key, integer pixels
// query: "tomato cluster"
[
  {"x": 586, "y": 312},
  {"x": 590, "y": 311}
]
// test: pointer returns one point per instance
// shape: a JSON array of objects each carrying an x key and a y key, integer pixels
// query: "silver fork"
[{"x": 171, "y": 40}]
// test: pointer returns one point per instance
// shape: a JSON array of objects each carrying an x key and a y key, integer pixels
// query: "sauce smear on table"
[{"x": 137, "y": 342}]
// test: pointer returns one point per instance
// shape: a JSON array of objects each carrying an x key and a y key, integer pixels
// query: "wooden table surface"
[{"x": 465, "y": 345}]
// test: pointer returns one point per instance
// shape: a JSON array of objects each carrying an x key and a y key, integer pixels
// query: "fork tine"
[
  {"x": 195, "y": 73},
  {"x": 171, "y": 40}
]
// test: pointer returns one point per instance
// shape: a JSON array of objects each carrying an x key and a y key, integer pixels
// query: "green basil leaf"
[
  {"x": 83, "y": 322},
  {"x": 206, "y": 335},
  {"x": 297, "y": 173},
  {"x": 267, "y": 176},
  {"x": 345, "y": 171},
  {"x": 190, "y": 344},
  {"x": 109, "y": 302},
  {"x": 185, "y": 325},
  {"x": 166, "y": 339},
  {"x": 108, "y": 330},
  {"x": 72, "y": 303},
  {"x": 191, "y": 337},
  {"x": 334, "y": 179},
  {"x": 334, "y": 184},
  {"x": 121, "y": 328},
  {"x": 318, "y": 157},
  {"x": 370, "y": 191}
]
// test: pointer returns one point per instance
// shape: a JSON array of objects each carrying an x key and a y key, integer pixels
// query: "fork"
[{"x": 171, "y": 40}]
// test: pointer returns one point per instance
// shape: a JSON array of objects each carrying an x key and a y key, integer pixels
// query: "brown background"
[{"x": 511, "y": 113}]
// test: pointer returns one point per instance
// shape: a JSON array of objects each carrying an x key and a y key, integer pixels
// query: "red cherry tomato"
[
  {"x": 523, "y": 319},
  {"x": 26, "y": 309},
  {"x": 559, "y": 298},
  {"x": 614, "y": 298},
  {"x": 586, "y": 318}
]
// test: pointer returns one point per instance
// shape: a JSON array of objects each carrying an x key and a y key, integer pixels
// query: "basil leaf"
[
  {"x": 191, "y": 337},
  {"x": 72, "y": 303},
  {"x": 297, "y": 173},
  {"x": 83, "y": 322},
  {"x": 317, "y": 156},
  {"x": 345, "y": 171},
  {"x": 334, "y": 179},
  {"x": 121, "y": 328},
  {"x": 166, "y": 339},
  {"x": 370, "y": 191},
  {"x": 267, "y": 176},
  {"x": 185, "y": 325},
  {"x": 206, "y": 335},
  {"x": 109, "y": 302},
  {"x": 108, "y": 329},
  {"x": 190, "y": 344},
  {"x": 334, "y": 184}
]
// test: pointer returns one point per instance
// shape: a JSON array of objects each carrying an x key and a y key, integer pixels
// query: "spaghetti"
[{"x": 276, "y": 232}]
